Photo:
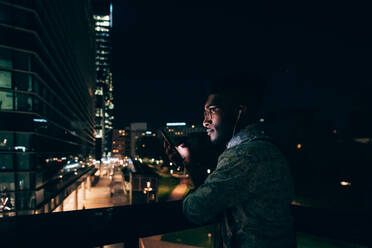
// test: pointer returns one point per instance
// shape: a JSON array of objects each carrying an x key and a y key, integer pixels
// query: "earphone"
[{"x": 240, "y": 111}]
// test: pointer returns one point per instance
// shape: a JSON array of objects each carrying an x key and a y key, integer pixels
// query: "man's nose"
[{"x": 207, "y": 121}]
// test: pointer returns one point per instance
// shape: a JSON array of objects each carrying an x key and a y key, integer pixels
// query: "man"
[{"x": 250, "y": 190}]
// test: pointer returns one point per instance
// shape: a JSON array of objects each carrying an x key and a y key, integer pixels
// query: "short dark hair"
[{"x": 248, "y": 89}]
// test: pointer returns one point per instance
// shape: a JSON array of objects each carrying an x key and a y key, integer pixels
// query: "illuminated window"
[
  {"x": 99, "y": 133},
  {"x": 6, "y": 100},
  {"x": 99, "y": 112},
  {"x": 99, "y": 91},
  {"x": 7, "y": 181},
  {"x": 6, "y": 141},
  {"x": 5, "y": 79}
]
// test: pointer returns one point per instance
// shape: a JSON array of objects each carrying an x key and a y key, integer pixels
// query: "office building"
[
  {"x": 176, "y": 129},
  {"x": 120, "y": 143},
  {"x": 102, "y": 11},
  {"x": 47, "y": 83},
  {"x": 136, "y": 131}
]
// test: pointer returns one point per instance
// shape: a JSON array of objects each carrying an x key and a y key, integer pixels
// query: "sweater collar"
[{"x": 247, "y": 134}]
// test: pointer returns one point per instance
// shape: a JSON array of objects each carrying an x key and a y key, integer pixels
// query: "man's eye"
[{"x": 213, "y": 110}]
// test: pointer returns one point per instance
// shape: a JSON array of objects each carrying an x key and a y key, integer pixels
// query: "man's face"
[{"x": 219, "y": 118}]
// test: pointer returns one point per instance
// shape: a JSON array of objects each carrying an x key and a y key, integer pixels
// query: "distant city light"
[
  {"x": 148, "y": 132},
  {"x": 193, "y": 126},
  {"x": 171, "y": 171},
  {"x": 345, "y": 183},
  {"x": 174, "y": 124},
  {"x": 40, "y": 120},
  {"x": 71, "y": 166},
  {"x": 262, "y": 120},
  {"x": 334, "y": 131},
  {"x": 363, "y": 140},
  {"x": 209, "y": 171},
  {"x": 170, "y": 163},
  {"x": 22, "y": 148},
  {"x": 111, "y": 14},
  {"x": 299, "y": 146},
  {"x": 209, "y": 235},
  {"x": 3, "y": 143}
]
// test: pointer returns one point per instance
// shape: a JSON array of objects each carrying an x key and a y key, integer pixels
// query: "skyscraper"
[
  {"x": 47, "y": 82},
  {"x": 102, "y": 10}
]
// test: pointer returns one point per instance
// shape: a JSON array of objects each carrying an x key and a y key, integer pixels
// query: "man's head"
[{"x": 233, "y": 102}]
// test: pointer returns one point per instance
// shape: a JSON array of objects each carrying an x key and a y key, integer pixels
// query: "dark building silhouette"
[{"x": 47, "y": 84}]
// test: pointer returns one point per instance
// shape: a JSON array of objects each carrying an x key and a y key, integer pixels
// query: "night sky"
[{"x": 164, "y": 52}]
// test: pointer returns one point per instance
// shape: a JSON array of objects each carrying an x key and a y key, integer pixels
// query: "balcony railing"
[{"x": 98, "y": 227}]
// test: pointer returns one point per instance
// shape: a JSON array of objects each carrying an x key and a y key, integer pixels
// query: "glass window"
[
  {"x": 6, "y": 141},
  {"x": 7, "y": 203},
  {"x": 23, "y": 102},
  {"x": 35, "y": 85},
  {"x": 7, "y": 181},
  {"x": 22, "y": 81},
  {"x": 6, "y": 100},
  {"x": 38, "y": 106},
  {"x": 6, "y": 79},
  {"x": 23, "y": 142},
  {"x": 23, "y": 180},
  {"x": 21, "y": 61},
  {"x": 6, "y": 58},
  {"x": 26, "y": 200},
  {"x": 6, "y": 161},
  {"x": 23, "y": 161}
]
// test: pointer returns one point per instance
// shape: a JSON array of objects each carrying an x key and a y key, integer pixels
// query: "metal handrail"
[{"x": 97, "y": 227}]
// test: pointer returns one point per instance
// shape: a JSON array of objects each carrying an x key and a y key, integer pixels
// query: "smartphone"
[{"x": 178, "y": 157}]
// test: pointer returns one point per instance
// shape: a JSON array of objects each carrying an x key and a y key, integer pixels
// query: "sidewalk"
[{"x": 99, "y": 196}]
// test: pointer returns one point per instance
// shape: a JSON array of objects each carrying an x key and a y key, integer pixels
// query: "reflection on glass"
[
  {"x": 6, "y": 100},
  {"x": 7, "y": 181},
  {"x": 7, "y": 204},
  {"x": 6, "y": 141},
  {"x": 22, "y": 81},
  {"x": 24, "y": 102},
  {"x": 5, "y": 54},
  {"x": 6, "y": 161},
  {"x": 5, "y": 79},
  {"x": 23, "y": 161},
  {"x": 23, "y": 180}
]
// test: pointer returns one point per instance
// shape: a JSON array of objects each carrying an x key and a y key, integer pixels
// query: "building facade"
[
  {"x": 177, "y": 129},
  {"x": 120, "y": 143},
  {"x": 102, "y": 10},
  {"x": 47, "y": 83}
]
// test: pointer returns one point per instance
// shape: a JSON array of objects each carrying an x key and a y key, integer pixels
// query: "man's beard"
[{"x": 222, "y": 137}]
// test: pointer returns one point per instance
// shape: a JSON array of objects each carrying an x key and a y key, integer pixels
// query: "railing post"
[{"x": 132, "y": 243}]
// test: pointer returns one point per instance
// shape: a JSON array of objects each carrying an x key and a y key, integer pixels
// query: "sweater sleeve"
[{"x": 224, "y": 188}]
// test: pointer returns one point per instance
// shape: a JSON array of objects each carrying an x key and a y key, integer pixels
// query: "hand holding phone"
[{"x": 171, "y": 151}]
